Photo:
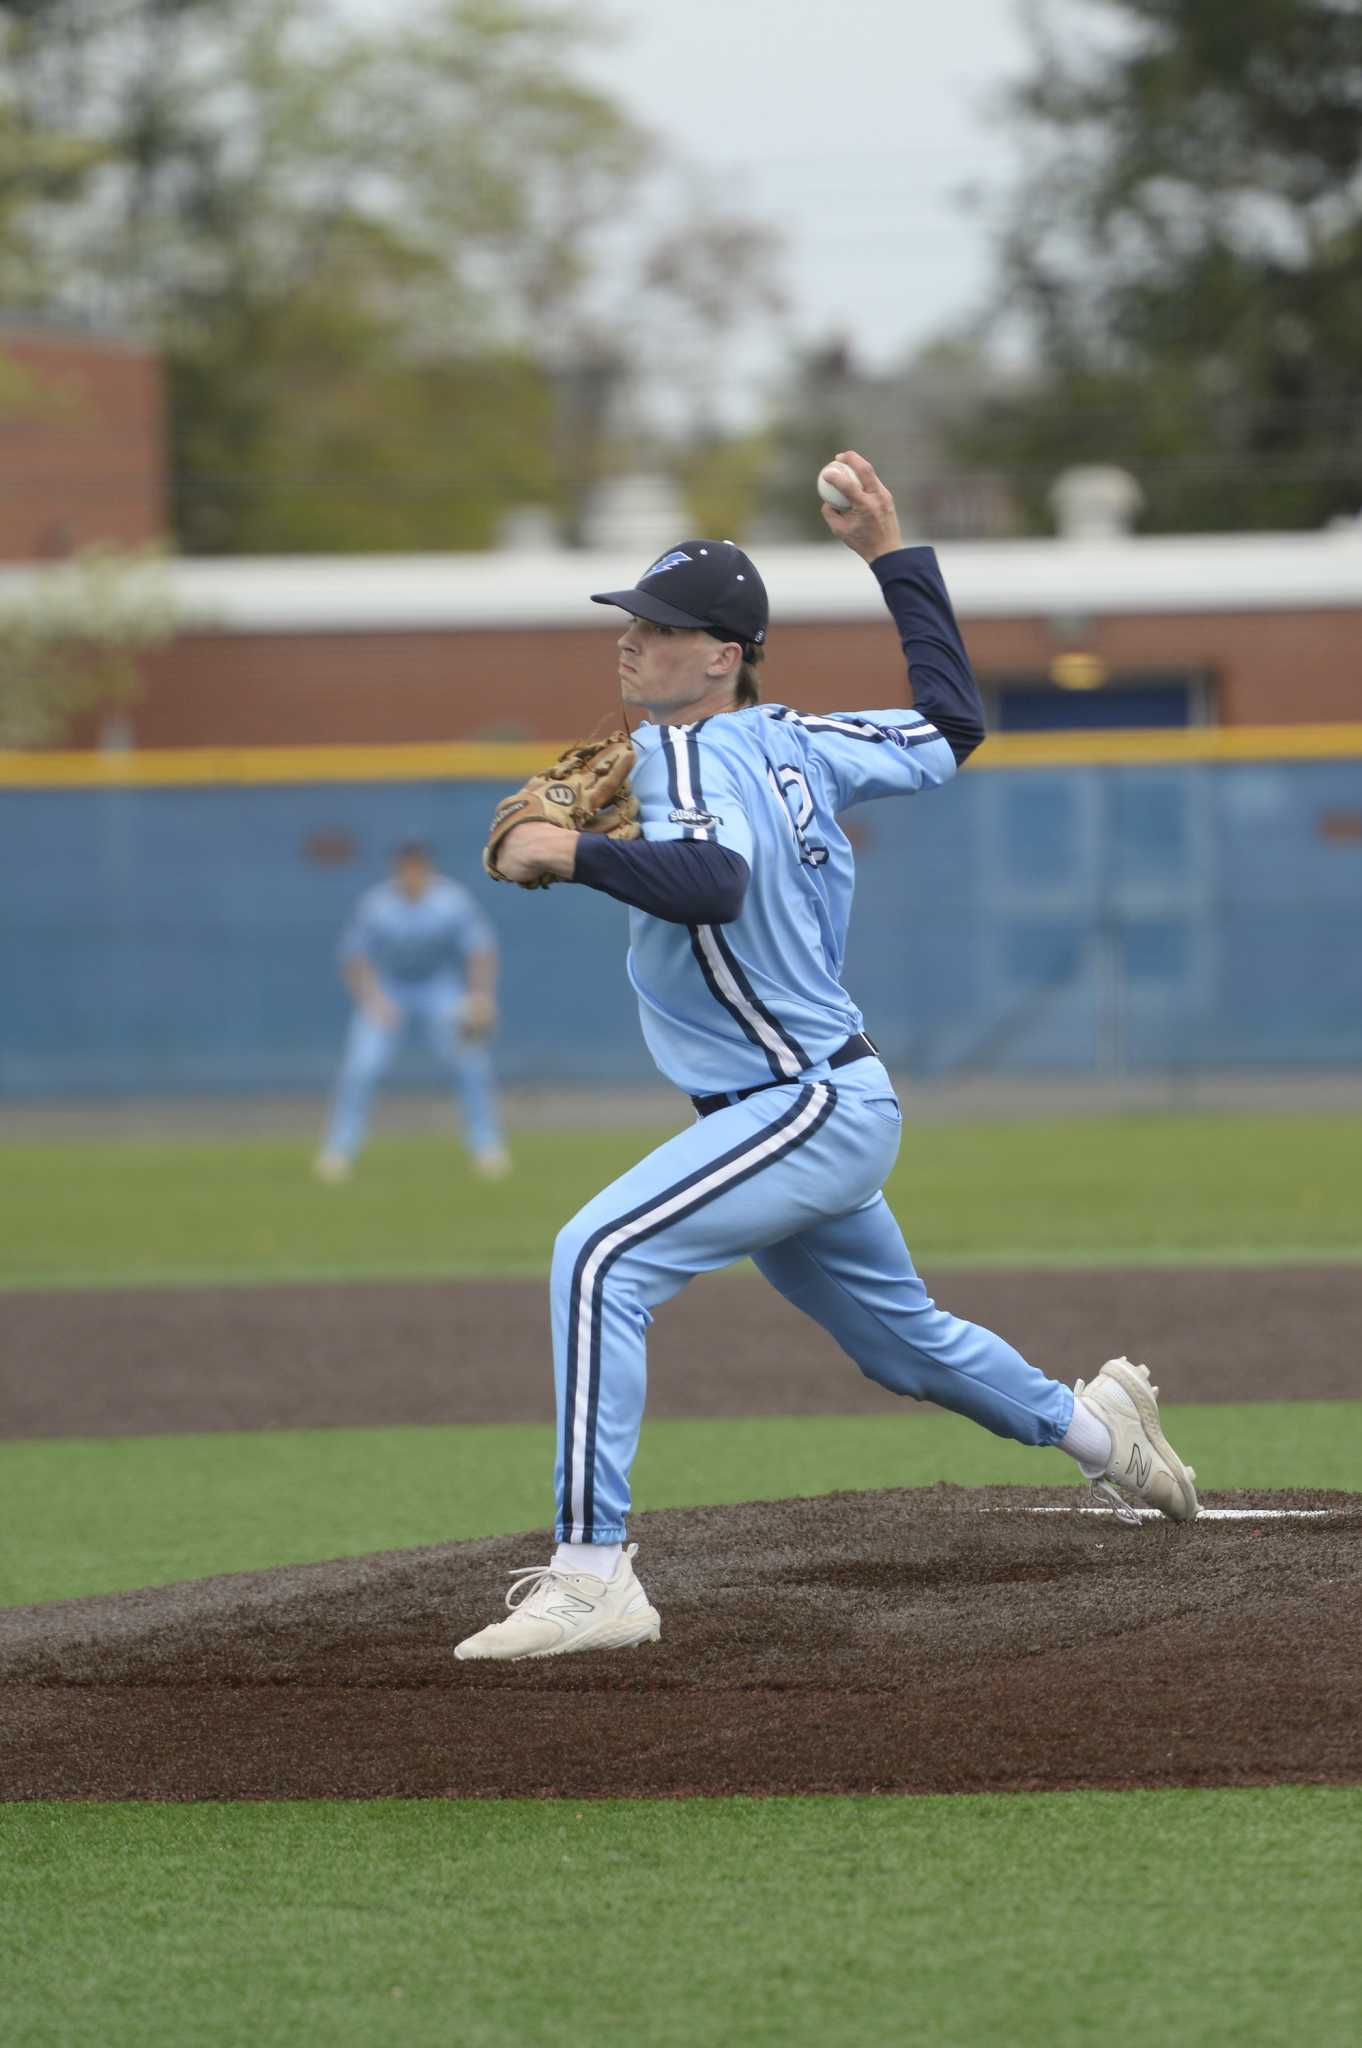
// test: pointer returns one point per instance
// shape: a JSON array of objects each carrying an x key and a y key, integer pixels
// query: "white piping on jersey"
[
  {"x": 851, "y": 728},
  {"x": 784, "y": 1055},
  {"x": 680, "y": 751},
  {"x": 772, "y": 1143},
  {"x": 732, "y": 994}
]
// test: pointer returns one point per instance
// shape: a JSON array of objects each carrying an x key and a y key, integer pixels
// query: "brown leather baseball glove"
[{"x": 585, "y": 790}]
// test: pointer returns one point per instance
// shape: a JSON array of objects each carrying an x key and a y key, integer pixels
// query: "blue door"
[{"x": 1032, "y": 705}]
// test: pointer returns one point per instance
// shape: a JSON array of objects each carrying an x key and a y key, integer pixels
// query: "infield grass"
[
  {"x": 107, "y": 1515},
  {"x": 1068, "y": 1918},
  {"x": 1086, "y": 1190}
]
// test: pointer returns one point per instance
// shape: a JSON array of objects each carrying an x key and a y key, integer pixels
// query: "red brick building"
[
  {"x": 1251, "y": 630},
  {"x": 1257, "y": 629},
  {"x": 82, "y": 444}
]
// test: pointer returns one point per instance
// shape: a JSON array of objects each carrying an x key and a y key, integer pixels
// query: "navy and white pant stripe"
[
  {"x": 610, "y": 1241},
  {"x": 792, "y": 1176}
]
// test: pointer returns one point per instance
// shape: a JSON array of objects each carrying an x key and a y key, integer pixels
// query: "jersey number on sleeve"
[{"x": 792, "y": 793}]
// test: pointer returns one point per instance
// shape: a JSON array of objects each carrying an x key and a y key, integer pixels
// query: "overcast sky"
[{"x": 852, "y": 125}]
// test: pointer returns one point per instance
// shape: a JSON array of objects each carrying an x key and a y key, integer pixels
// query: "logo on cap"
[{"x": 671, "y": 561}]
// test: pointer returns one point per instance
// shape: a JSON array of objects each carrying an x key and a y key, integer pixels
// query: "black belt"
[{"x": 857, "y": 1047}]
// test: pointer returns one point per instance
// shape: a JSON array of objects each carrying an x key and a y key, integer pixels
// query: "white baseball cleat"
[
  {"x": 332, "y": 1167},
  {"x": 1143, "y": 1464},
  {"x": 492, "y": 1164},
  {"x": 555, "y": 1612}
]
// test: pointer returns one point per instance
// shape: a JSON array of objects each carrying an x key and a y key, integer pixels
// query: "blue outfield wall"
[{"x": 1084, "y": 920}]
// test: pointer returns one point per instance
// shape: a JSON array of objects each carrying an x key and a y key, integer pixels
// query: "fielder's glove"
[
  {"x": 585, "y": 790},
  {"x": 477, "y": 1016}
]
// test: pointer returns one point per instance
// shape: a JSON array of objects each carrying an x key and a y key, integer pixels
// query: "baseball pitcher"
[{"x": 726, "y": 845}]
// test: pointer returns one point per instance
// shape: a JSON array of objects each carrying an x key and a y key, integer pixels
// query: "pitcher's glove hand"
[{"x": 585, "y": 790}]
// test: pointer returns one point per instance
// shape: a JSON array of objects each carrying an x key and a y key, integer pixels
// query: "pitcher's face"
[{"x": 673, "y": 670}]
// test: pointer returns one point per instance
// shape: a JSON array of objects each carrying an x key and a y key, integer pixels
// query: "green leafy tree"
[
  {"x": 71, "y": 638},
  {"x": 42, "y": 165},
  {"x": 264, "y": 211},
  {"x": 1185, "y": 251},
  {"x": 383, "y": 264}
]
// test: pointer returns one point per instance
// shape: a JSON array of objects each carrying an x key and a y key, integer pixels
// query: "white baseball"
[{"x": 832, "y": 481}]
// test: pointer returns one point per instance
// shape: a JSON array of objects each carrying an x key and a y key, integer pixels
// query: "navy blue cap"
[{"x": 705, "y": 586}]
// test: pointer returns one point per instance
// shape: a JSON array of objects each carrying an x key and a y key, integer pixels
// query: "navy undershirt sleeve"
[
  {"x": 943, "y": 684},
  {"x": 685, "y": 881}
]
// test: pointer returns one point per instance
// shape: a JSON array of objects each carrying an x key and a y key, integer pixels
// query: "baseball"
[{"x": 832, "y": 481}]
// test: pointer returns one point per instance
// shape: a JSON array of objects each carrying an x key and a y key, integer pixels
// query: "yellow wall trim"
[
  {"x": 190, "y": 767},
  {"x": 1178, "y": 743}
]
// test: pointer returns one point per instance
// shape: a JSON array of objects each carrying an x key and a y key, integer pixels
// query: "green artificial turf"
[
  {"x": 1078, "y": 1190},
  {"x": 102, "y": 1516},
  {"x": 1115, "y": 1919}
]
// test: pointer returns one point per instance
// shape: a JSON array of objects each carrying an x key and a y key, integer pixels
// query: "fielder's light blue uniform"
[
  {"x": 791, "y": 1174},
  {"x": 418, "y": 949}
]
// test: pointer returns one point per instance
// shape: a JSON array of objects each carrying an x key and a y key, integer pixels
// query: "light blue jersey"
[
  {"x": 419, "y": 950},
  {"x": 408, "y": 941},
  {"x": 730, "y": 1006}
]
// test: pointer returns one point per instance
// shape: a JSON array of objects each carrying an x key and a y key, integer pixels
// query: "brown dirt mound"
[
  {"x": 940, "y": 1640},
  {"x": 147, "y": 1360}
]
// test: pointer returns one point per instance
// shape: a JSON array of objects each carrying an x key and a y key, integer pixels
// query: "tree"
[
  {"x": 70, "y": 639},
  {"x": 385, "y": 266},
  {"x": 331, "y": 357},
  {"x": 41, "y": 164},
  {"x": 1185, "y": 253}
]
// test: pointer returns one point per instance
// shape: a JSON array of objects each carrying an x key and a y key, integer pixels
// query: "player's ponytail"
[{"x": 747, "y": 688}]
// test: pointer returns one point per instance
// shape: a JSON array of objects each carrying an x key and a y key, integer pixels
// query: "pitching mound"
[{"x": 930, "y": 1641}]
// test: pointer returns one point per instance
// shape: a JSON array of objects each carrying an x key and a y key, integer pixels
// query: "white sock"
[
  {"x": 1088, "y": 1440},
  {"x": 598, "y": 1558}
]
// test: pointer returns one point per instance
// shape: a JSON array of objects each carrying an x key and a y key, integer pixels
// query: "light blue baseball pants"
[
  {"x": 793, "y": 1177},
  {"x": 369, "y": 1051}
]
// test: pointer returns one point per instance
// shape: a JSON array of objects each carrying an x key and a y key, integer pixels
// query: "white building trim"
[{"x": 822, "y": 583}]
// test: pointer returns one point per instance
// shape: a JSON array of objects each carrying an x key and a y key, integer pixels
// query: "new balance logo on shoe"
[
  {"x": 1141, "y": 1461},
  {"x": 552, "y": 1613},
  {"x": 569, "y": 1605}
]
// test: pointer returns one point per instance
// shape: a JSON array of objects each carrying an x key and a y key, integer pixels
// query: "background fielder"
[
  {"x": 418, "y": 951},
  {"x": 741, "y": 894}
]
